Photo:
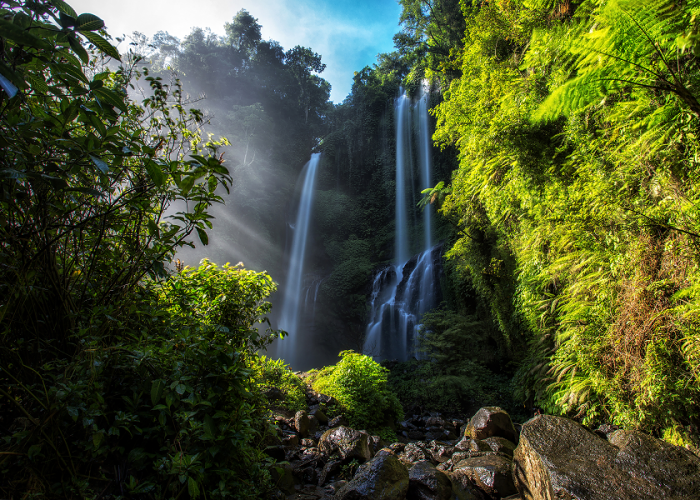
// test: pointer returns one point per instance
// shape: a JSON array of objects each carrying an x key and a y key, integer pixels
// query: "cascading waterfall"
[
  {"x": 291, "y": 306},
  {"x": 425, "y": 160},
  {"x": 401, "y": 247},
  {"x": 402, "y": 292}
]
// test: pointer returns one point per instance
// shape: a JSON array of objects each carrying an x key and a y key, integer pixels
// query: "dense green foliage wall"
[{"x": 576, "y": 124}]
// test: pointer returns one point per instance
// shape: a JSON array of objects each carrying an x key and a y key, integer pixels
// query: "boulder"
[
  {"x": 320, "y": 416},
  {"x": 382, "y": 478},
  {"x": 338, "y": 421},
  {"x": 301, "y": 423},
  {"x": 490, "y": 473},
  {"x": 491, "y": 421},
  {"x": 425, "y": 482},
  {"x": 472, "y": 445},
  {"x": 558, "y": 458},
  {"x": 347, "y": 443},
  {"x": 500, "y": 445}
]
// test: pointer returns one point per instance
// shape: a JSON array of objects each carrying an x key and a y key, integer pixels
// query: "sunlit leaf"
[
  {"x": 89, "y": 22},
  {"x": 102, "y": 44}
]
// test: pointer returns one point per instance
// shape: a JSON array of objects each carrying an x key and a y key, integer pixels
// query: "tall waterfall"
[
  {"x": 291, "y": 304},
  {"x": 425, "y": 160},
  {"x": 403, "y": 291},
  {"x": 401, "y": 247}
]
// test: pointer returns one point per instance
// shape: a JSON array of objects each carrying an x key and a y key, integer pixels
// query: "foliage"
[
  {"x": 269, "y": 373},
  {"x": 360, "y": 386},
  {"x": 112, "y": 381},
  {"x": 575, "y": 201}
]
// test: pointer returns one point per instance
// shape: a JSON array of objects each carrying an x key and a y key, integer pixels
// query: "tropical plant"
[{"x": 360, "y": 386}]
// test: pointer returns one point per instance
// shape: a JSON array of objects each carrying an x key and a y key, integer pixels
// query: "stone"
[
  {"x": 472, "y": 445},
  {"x": 425, "y": 482},
  {"x": 439, "y": 452},
  {"x": 290, "y": 439},
  {"x": 490, "y": 473},
  {"x": 329, "y": 469},
  {"x": 347, "y": 443},
  {"x": 382, "y": 478},
  {"x": 500, "y": 445},
  {"x": 308, "y": 443},
  {"x": 320, "y": 416},
  {"x": 559, "y": 458},
  {"x": 313, "y": 425},
  {"x": 491, "y": 421},
  {"x": 301, "y": 423},
  {"x": 338, "y": 421},
  {"x": 414, "y": 452}
]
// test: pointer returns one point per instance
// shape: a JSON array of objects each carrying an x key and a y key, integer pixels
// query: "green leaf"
[
  {"x": 102, "y": 44},
  {"x": 180, "y": 389},
  {"x": 203, "y": 236},
  {"x": 69, "y": 69},
  {"x": 64, "y": 7},
  {"x": 66, "y": 21},
  {"x": 89, "y": 22},
  {"x": 156, "y": 391},
  {"x": 209, "y": 427},
  {"x": 192, "y": 487},
  {"x": 22, "y": 20},
  {"x": 78, "y": 49},
  {"x": 34, "y": 450},
  {"x": 97, "y": 439},
  {"x": 110, "y": 97},
  {"x": 73, "y": 412},
  {"x": 21, "y": 37},
  {"x": 155, "y": 172},
  {"x": 37, "y": 83}
]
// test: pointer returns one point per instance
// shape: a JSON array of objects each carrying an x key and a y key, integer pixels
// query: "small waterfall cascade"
[
  {"x": 293, "y": 301},
  {"x": 403, "y": 291}
]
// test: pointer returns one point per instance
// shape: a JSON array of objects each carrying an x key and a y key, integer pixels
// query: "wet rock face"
[
  {"x": 382, "y": 478},
  {"x": 491, "y": 421},
  {"x": 348, "y": 443},
  {"x": 425, "y": 482},
  {"x": 490, "y": 473},
  {"x": 558, "y": 458}
]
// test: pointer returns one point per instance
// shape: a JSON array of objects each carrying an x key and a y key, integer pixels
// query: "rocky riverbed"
[{"x": 486, "y": 457}]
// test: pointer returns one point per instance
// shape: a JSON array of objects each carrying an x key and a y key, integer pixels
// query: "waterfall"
[
  {"x": 401, "y": 247},
  {"x": 425, "y": 160},
  {"x": 291, "y": 306},
  {"x": 403, "y": 291}
]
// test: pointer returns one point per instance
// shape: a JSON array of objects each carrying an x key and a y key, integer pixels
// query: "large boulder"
[
  {"x": 557, "y": 458},
  {"x": 425, "y": 482},
  {"x": 347, "y": 443},
  {"x": 491, "y": 421},
  {"x": 382, "y": 478},
  {"x": 490, "y": 473}
]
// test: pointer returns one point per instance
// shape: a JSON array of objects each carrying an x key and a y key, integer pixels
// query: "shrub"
[
  {"x": 274, "y": 373},
  {"x": 360, "y": 385}
]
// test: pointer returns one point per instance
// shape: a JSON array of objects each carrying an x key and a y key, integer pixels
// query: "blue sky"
[{"x": 347, "y": 33}]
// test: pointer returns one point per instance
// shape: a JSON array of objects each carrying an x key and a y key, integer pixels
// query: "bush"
[
  {"x": 360, "y": 385},
  {"x": 170, "y": 408},
  {"x": 270, "y": 373}
]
